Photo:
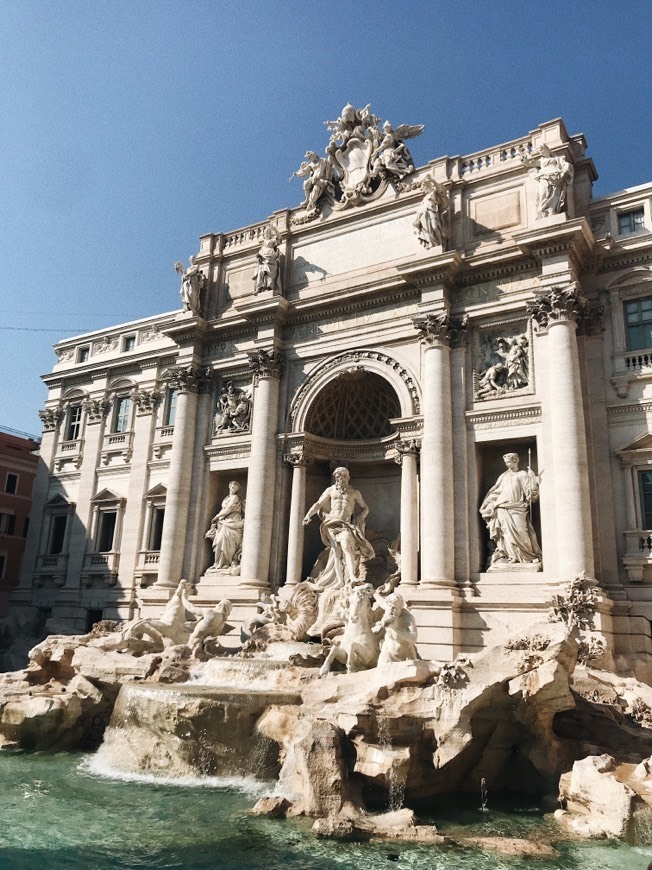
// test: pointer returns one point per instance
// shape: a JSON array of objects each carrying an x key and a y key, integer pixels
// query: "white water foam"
[{"x": 94, "y": 765}]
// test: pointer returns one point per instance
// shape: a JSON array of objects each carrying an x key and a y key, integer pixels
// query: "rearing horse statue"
[{"x": 357, "y": 648}]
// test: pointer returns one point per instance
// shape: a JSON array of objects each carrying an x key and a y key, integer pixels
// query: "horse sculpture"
[{"x": 357, "y": 648}]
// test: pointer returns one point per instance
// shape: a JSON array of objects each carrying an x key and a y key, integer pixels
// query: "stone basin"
[{"x": 185, "y": 729}]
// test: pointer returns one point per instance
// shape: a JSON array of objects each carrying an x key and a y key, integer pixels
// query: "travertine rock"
[{"x": 597, "y": 804}]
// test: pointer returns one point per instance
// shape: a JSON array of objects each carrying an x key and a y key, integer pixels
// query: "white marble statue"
[
  {"x": 553, "y": 176},
  {"x": 392, "y": 154},
  {"x": 212, "y": 623},
  {"x": 343, "y": 512},
  {"x": 506, "y": 510},
  {"x": 225, "y": 532},
  {"x": 357, "y": 648},
  {"x": 318, "y": 172},
  {"x": 511, "y": 373},
  {"x": 429, "y": 221},
  {"x": 398, "y": 628},
  {"x": 233, "y": 409},
  {"x": 169, "y": 629},
  {"x": 192, "y": 282},
  {"x": 268, "y": 272}
]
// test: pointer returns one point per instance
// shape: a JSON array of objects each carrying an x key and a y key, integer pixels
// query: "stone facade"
[{"x": 411, "y": 325}]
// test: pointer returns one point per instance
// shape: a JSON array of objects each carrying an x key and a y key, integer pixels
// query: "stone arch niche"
[{"x": 351, "y": 411}]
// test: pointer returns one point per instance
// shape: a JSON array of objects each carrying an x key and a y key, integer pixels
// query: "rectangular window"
[
  {"x": 129, "y": 342},
  {"x": 122, "y": 414},
  {"x": 638, "y": 323},
  {"x": 170, "y": 408},
  {"x": 57, "y": 534},
  {"x": 106, "y": 531},
  {"x": 156, "y": 531},
  {"x": 83, "y": 353},
  {"x": 7, "y": 524},
  {"x": 3, "y": 562},
  {"x": 645, "y": 488},
  {"x": 631, "y": 221},
  {"x": 73, "y": 426},
  {"x": 11, "y": 484},
  {"x": 25, "y": 527}
]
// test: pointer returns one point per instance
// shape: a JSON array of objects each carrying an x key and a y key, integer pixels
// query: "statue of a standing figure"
[
  {"x": 506, "y": 510},
  {"x": 553, "y": 175},
  {"x": 343, "y": 512},
  {"x": 192, "y": 282},
  {"x": 225, "y": 532},
  {"x": 429, "y": 221},
  {"x": 342, "y": 529},
  {"x": 268, "y": 272}
]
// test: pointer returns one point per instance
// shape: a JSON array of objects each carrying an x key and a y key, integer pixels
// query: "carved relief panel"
[{"x": 502, "y": 361}]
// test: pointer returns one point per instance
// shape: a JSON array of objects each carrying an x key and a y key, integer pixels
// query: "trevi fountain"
[{"x": 337, "y": 537}]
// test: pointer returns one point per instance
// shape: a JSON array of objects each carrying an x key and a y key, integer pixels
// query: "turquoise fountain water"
[{"x": 64, "y": 811}]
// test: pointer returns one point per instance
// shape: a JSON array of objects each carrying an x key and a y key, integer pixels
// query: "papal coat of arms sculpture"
[{"x": 362, "y": 158}]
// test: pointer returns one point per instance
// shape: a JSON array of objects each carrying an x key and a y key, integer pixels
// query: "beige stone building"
[{"x": 411, "y": 325}]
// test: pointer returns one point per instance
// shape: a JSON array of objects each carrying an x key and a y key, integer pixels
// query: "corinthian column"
[
  {"x": 299, "y": 463},
  {"x": 559, "y": 313},
  {"x": 187, "y": 382},
  {"x": 267, "y": 367},
  {"x": 437, "y": 331},
  {"x": 407, "y": 459}
]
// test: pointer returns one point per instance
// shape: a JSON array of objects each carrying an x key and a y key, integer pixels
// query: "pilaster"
[
  {"x": 267, "y": 368},
  {"x": 558, "y": 313},
  {"x": 187, "y": 382},
  {"x": 299, "y": 462},
  {"x": 406, "y": 457}
]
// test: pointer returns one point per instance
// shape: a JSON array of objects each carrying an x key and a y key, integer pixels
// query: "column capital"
[
  {"x": 186, "y": 379},
  {"x": 561, "y": 304},
  {"x": 50, "y": 418},
  {"x": 440, "y": 329},
  {"x": 266, "y": 364},
  {"x": 409, "y": 447},
  {"x": 96, "y": 409},
  {"x": 298, "y": 459},
  {"x": 145, "y": 401}
]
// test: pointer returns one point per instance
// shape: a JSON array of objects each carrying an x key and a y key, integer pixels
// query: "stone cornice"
[
  {"x": 503, "y": 417},
  {"x": 187, "y": 329},
  {"x": 272, "y": 309},
  {"x": 572, "y": 237},
  {"x": 441, "y": 269}
]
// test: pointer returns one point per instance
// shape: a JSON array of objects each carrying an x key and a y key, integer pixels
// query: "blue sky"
[{"x": 128, "y": 129}]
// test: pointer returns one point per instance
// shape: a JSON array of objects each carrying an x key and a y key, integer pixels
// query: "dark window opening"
[
  {"x": 57, "y": 534},
  {"x": 638, "y": 323},
  {"x": 156, "y": 532},
  {"x": 106, "y": 531}
]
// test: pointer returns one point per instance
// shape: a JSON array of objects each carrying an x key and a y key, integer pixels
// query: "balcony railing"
[{"x": 638, "y": 553}]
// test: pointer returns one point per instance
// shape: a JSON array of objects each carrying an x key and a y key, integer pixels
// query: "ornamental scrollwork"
[
  {"x": 96, "y": 409},
  {"x": 50, "y": 418},
  {"x": 441, "y": 328},
  {"x": 186, "y": 379},
  {"x": 561, "y": 304},
  {"x": 145, "y": 401},
  {"x": 266, "y": 364}
]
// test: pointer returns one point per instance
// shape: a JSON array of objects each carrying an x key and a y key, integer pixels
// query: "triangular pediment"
[
  {"x": 106, "y": 495},
  {"x": 58, "y": 500},
  {"x": 157, "y": 491},
  {"x": 642, "y": 444}
]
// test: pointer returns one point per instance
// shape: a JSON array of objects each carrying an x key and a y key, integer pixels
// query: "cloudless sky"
[{"x": 129, "y": 128}]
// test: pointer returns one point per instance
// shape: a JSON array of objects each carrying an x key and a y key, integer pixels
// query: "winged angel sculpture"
[{"x": 361, "y": 159}]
